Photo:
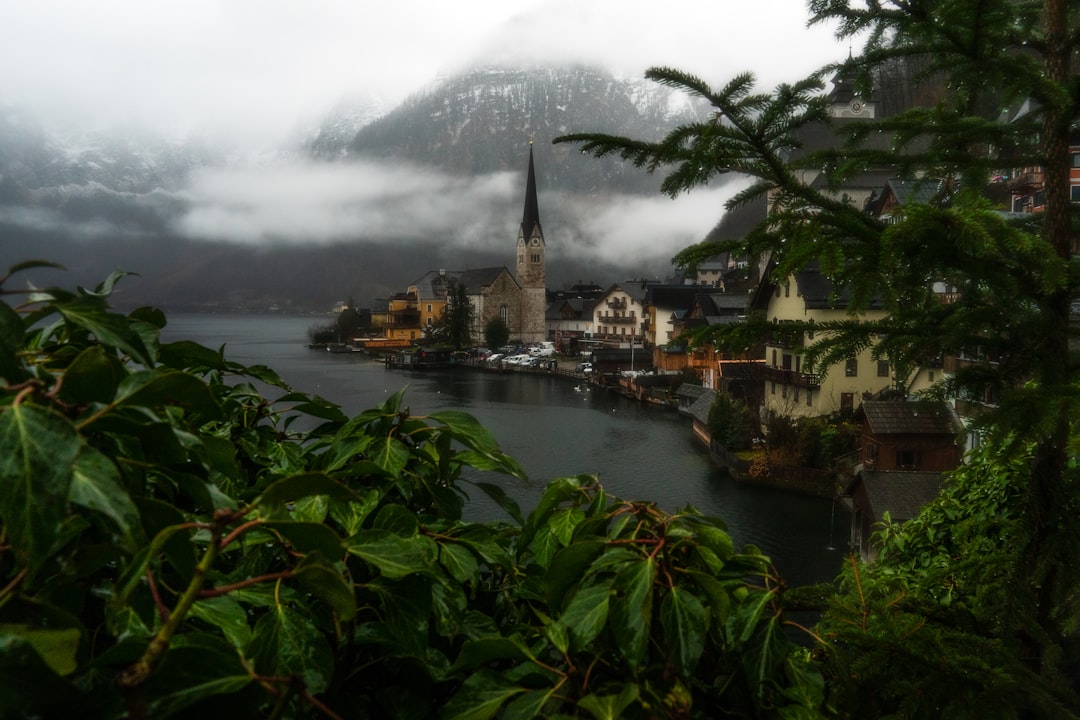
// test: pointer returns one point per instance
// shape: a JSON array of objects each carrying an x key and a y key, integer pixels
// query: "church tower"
[{"x": 530, "y": 264}]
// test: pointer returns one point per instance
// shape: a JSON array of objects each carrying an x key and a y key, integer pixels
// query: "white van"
[{"x": 543, "y": 349}]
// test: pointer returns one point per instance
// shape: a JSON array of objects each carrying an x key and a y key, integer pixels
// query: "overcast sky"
[
  {"x": 227, "y": 63},
  {"x": 257, "y": 70}
]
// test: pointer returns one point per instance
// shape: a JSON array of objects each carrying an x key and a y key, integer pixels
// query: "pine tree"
[
  {"x": 455, "y": 327},
  {"x": 1012, "y": 100}
]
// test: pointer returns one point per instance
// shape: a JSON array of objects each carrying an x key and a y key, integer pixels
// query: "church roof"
[
  {"x": 530, "y": 218},
  {"x": 479, "y": 278}
]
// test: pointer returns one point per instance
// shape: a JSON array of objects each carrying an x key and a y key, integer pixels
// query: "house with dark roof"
[{"x": 905, "y": 451}]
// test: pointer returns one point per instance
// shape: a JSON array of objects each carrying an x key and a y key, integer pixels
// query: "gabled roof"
[
  {"x": 633, "y": 289},
  {"x": 817, "y": 291},
  {"x": 902, "y": 494},
  {"x": 479, "y": 278},
  {"x": 905, "y": 417},
  {"x": 434, "y": 284},
  {"x": 699, "y": 410}
]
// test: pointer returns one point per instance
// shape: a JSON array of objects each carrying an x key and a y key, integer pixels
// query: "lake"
[{"x": 554, "y": 427}]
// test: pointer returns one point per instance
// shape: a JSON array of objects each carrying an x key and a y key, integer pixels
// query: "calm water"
[{"x": 554, "y": 428}]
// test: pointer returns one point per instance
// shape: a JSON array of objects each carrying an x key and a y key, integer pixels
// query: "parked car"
[{"x": 584, "y": 368}]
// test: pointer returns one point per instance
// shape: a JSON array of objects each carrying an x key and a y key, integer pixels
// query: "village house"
[
  {"x": 619, "y": 314},
  {"x": 905, "y": 450}
]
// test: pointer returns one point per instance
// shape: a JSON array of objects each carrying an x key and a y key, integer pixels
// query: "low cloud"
[
  {"x": 315, "y": 203},
  {"x": 328, "y": 203}
]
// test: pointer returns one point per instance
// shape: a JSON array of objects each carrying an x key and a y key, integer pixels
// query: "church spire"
[{"x": 530, "y": 219}]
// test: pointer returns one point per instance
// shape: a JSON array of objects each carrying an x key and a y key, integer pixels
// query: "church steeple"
[
  {"x": 530, "y": 219},
  {"x": 531, "y": 250}
]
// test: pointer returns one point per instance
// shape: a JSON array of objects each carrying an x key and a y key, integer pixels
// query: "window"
[
  {"x": 1076, "y": 159},
  {"x": 1075, "y": 193},
  {"x": 847, "y": 401},
  {"x": 883, "y": 368},
  {"x": 774, "y": 358},
  {"x": 907, "y": 459},
  {"x": 787, "y": 289},
  {"x": 504, "y": 314},
  {"x": 787, "y": 362},
  {"x": 851, "y": 367},
  {"x": 429, "y": 307}
]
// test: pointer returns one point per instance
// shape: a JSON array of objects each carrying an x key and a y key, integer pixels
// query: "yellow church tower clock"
[{"x": 530, "y": 264}]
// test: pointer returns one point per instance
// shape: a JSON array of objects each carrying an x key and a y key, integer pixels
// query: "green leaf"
[
  {"x": 93, "y": 376},
  {"x": 478, "y": 653},
  {"x": 109, "y": 328},
  {"x": 302, "y": 485},
  {"x": 467, "y": 430},
  {"x": 460, "y": 562},
  {"x": 587, "y": 614},
  {"x": 58, "y": 647},
  {"x": 189, "y": 355},
  {"x": 287, "y": 642},
  {"x": 226, "y": 614},
  {"x": 96, "y": 485},
  {"x": 396, "y": 519},
  {"x": 610, "y": 707},
  {"x": 567, "y": 568},
  {"x": 390, "y": 454},
  {"x": 564, "y": 522},
  {"x": 11, "y": 342},
  {"x": 394, "y": 556},
  {"x": 320, "y": 577},
  {"x": 167, "y": 387},
  {"x": 528, "y": 705},
  {"x": 480, "y": 697},
  {"x": 39, "y": 451},
  {"x": 308, "y": 537},
  {"x": 173, "y": 703},
  {"x": 684, "y": 620},
  {"x": 631, "y": 610}
]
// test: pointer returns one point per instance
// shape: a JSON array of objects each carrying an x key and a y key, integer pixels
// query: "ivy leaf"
[
  {"x": 467, "y": 430},
  {"x": 528, "y": 705},
  {"x": 58, "y": 647},
  {"x": 93, "y": 376},
  {"x": 480, "y": 696},
  {"x": 631, "y": 610},
  {"x": 96, "y": 485},
  {"x": 684, "y": 620},
  {"x": 308, "y": 537},
  {"x": 90, "y": 313},
  {"x": 460, "y": 562},
  {"x": 225, "y": 613},
  {"x": 610, "y": 707},
  {"x": 390, "y": 454},
  {"x": 163, "y": 386},
  {"x": 299, "y": 486},
  {"x": 319, "y": 576},
  {"x": 394, "y": 556},
  {"x": 11, "y": 341},
  {"x": 286, "y": 642},
  {"x": 587, "y": 614},
  {"x": 567, "y": 568},
  {"x": 40, "y": 447}
]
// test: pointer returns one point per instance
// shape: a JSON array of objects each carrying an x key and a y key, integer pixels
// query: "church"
[{"x": 519, "y": 299}]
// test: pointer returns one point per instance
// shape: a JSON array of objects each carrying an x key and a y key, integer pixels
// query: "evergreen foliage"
[
  {"x": 455, "y": 327},
  {"x": 1012, "y": 100},
  {"x": 496, "y": 333},
  {"x": 731, "y": 423}
]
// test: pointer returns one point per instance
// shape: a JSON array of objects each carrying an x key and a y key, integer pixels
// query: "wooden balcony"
[
  {"x": 617, "y": 303},
  {"x": 790, "y": 378}
]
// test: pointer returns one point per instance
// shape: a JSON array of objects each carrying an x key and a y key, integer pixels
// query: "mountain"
[
  {"x": 95, "y": 202},
  {"x": 479, "y": 121}
]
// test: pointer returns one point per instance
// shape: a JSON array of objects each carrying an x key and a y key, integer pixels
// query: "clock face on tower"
[
  {"x": 856, "y": 106},
  {"x": 536, "y": 241}
]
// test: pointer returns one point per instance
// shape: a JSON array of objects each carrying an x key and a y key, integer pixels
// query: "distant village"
[{"x": 633, "y": 336}]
